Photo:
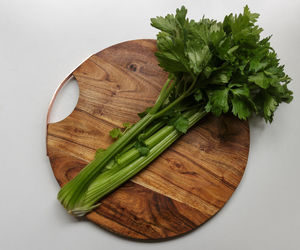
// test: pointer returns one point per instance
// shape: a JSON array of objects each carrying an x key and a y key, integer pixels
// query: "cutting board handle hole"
[{"x": 64, "y": 100}]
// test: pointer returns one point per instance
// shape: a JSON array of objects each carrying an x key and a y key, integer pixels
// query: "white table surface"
[{"x": 41, "y": 42}]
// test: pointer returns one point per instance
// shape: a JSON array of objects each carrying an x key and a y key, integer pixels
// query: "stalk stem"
[
  {"x": 178, "y": 100},
  {"x": 111, "y": 179},
  {"x": 161, "y": 98},
  {"x": 74, "y": 189}
]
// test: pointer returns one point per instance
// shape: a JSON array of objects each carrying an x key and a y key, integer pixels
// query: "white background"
[{"x": 41, "y": 42}]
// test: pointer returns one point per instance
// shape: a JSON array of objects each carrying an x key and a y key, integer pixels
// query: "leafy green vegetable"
[
  {"x": 115, "y": 133},
  {"x": 127, "y": 125},
  {"x": 222, "y": 54},
  {"x": 198, "y": 95},
  {"x": 142, "y": 148},
  {"x": 214, "y": 67},
  {"x": 181, "y": 124}
]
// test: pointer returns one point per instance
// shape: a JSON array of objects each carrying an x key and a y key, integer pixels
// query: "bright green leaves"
[
  {"x": 240, "y": 108},
  {"x": 269, "y": 106},
  {"x": 220, "y": 77},
  {"x": 236, "y": 97},
  {"x": 239, "y": 90},
  {"x": 166, "y": 24},
  {"x": 256, "y": 65},
  {"x": 181, "y": 124},
  {"x": 182, "y": 45},
  {"x": 218, "y": 101},
  {"x": 236, "y": 71},
  {"x": 165, "y": 42},
  {"x": 116, "y": 133},
  {"x": 198, "y": 56},
  {"x": 217, "y": 36},
  {"x": 142, "y": 147},
  {"x": 241, "y": 101},
  {"x": 176, "y": 118},
  {"x": 170, "y": 55},
  {"x": 251, "y": 16},
  {"x": 202, "y": 31},
  {"x": 171, "y": 41},
  {"x": 127, "y": 125},
  {"x": 260, "y": 79},
  {"x": 241, "y": 27},
  {"x": 281, "y": 93},
  {"x": 181, "y": 16},
  {"x": 169, "y": 23}
]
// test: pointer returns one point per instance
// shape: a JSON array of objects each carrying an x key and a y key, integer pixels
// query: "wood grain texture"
[{"x": 180, "y": 190}]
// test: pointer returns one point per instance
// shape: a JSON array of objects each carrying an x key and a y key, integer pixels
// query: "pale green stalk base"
[{"x": 74, "y": 190}]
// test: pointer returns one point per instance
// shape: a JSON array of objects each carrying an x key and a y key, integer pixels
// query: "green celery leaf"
[
  {"x": 252, "y": 16},
  {"x": 270, "y": 105},
  {"x": 200, "y": 31},
  {"x": 260, "y": 79},
  {"x": 286, "y": 95},
  {"x": 198, "y": 95},
  {"x": 235, "y": 69},
  {"x": 115, "y": 133},
  {"x": 142, "y": 148},
  {"x": 166, "y": 24},
  {"x": 170, "y": 63},
  {"x": 240, "y": 108},
  {"x": 181, "y": 15},
  {"x": 198, "y": 56},
  {"x": 221, "y": 77},
  {"x": 239, "y": 90},
  {"x": 217, "y": 36},
  {"x": 256, "y": 65},
  {"x": 181, "y": 124},
  {"x": 231, "y": 50},
  {"x": 218, "y": 101},
  {"x": 165, "y": 42},
  {"x": 223, "y": 48},
  {"x": 127, "y": 125}
]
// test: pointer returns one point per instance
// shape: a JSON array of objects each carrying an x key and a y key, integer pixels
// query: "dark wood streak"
[
  {"x": 180, "y": 190},
  {"x": 74, "y": 142},
  {"x": 120, "y": 223},
  {"x": 188, "y": 191},
  {"x": 134, "y": 219},
  {"x": 167, "y": 207},
  {"x": 174, "y": 211},
  {"x": 206, "y": 170},
  {"x": 97, "y": 118},
  {"x": 58, "y": 150}
]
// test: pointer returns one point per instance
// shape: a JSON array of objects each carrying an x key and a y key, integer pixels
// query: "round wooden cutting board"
[{"x": 185, "y": 186}]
